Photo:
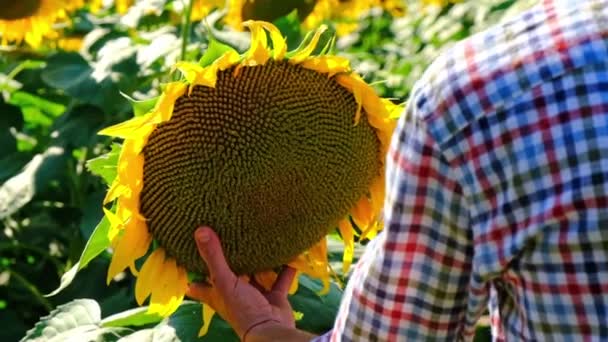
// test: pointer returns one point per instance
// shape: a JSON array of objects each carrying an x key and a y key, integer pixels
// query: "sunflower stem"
[{"x": 186, "y": 21}]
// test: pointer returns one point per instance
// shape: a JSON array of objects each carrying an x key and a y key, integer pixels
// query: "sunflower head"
[
  {"x": 240, "y": 11},
  {"x": 273, "y": 149},
  {"x": 32, "y": 20}
]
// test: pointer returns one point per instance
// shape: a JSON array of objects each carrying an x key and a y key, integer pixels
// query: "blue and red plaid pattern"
[{"x": 497, "y": 191}]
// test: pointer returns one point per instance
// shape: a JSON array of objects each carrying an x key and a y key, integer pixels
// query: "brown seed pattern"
[{"x": 270, "y": 158}]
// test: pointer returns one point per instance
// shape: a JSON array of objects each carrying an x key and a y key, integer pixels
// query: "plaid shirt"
[{"x": 497, "y": 191}]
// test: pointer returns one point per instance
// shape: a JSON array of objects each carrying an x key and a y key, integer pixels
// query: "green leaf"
[
  {"x": 64, "y": 319},
  {"x": 11, "y": 163},
  {"x": 25, "y": 99},
  {"x": 34, "y": 117},
  {"x": 105, "y": 165},
  {"x": 98, "y": 242},
  {"x": 21, "y": 188},
  {"x": 215, "y": 50},
  {"x": 71, "y": 73},
  {"x": 12, "y": 119},
  {"x": 77, "y": 320},
  {"x": 78, "y": 126},
  {"x": 319, "y": 311},
  {"x": 290, "y": 27},
  {"x": 187, "y": 322},
  {"x": 129, "y": 318},
  {"x": 183, "y": 325},
  {"x": 141, "y": 107}
]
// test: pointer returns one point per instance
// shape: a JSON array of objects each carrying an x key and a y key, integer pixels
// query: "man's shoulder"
[{"x": 491, "y": 69}]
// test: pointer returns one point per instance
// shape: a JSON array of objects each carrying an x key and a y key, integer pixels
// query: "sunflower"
[
  {"x": 273, "y": 149},
  {"x": 200, "y": 8},
  {"x": 311, "y": 12},
  {"x": 121, "y": 6},
  {"x": 33, "y": 20}
]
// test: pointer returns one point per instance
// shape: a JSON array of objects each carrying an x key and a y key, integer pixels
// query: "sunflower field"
[{"x": 125, "y": 124}]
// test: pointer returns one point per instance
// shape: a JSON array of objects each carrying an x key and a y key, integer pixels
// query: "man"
[{"x": 497, "y": 196}]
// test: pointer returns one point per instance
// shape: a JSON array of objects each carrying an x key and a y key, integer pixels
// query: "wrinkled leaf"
[
  {"x": 21, "y": 188},
  {"x": 69, "y": 320}
]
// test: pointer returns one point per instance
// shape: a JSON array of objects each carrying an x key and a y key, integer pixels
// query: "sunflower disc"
[
  {"x": 271, "y": 10},
  {"x": 270, "y": 158},
  {"x": 13, "y": 10}
]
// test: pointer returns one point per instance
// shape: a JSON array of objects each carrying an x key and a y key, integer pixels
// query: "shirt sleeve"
[{"x": 412, "y": 280}]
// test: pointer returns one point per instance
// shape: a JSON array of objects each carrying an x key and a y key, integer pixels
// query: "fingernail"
[{"x": 203, "y": 236}]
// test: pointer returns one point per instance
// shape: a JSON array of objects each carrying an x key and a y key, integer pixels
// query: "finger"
[
  {"x": 210, "y": 250},
  {"x": 284, "y": 280}
]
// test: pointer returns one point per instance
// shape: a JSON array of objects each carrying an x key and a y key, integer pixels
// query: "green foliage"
[
  {"x": 55, "y": 169},
  {"x": 105, "y": 165}
]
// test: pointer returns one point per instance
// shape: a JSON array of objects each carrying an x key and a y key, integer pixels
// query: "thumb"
[{"x": 210, "y": 249}]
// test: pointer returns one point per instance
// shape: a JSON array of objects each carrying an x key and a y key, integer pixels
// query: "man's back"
[{"x": 498, "y": 190}]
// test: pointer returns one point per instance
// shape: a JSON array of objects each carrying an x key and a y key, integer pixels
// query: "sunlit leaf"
[
  {"x": 133, "y": 317},
  {"x": 77, "y": 320},
  {"x": 105, "y": 165},
  {"x": 140, "y": 107},
  {"x": 25, "y": 99},
  {"x": 71, "y": 73},
  {"x": 98, "y": 242},
  {"x": 21, "y": 188},
  {"x": 215, "y": 50},
  {"x": 290, "y": 27}
]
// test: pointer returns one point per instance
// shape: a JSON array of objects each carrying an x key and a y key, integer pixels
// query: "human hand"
[{"x": 243, "y": 304}]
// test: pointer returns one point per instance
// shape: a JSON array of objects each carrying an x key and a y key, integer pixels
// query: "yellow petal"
[
  {"x": 132, "y": 245},
  {"x": 207, "y": 313},
  {"x": 294, "y": 284},
  {"x": 228, "y": 59},
  {"x": 169, "y": 290},
  {"x": 318, "y": 252},
  {"x": 149, "y": 275},
  {"x": 350, "y": 83},
  {"x": 131, "y": 129},
  {"x": 164, "y": 107},
  {"x": 362, "y": 213},
  {"x": 117, "y": 189},
  {"x": 346, "y": 230},
  {"x": 305, "y": 52},
  {"x": 371, "y": 231},
  {"x": 266, "y": 279},
  {"x": 278, "y": 41},
  {"x": 116, "y": 224},
  {"x": 189, "y": 70},
  {"x": 319, "y": 264},
  {"x": 258, "y": 52},
  {"x": 376, "y": 191},
  {"x": 131, "y": 170},
  {"x": 331, "y": 65}
]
